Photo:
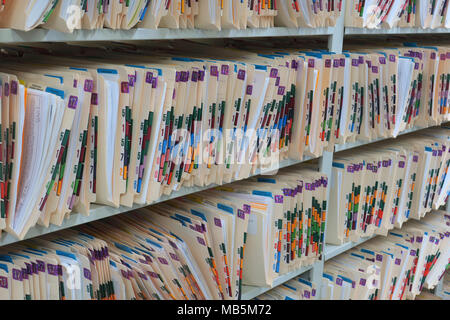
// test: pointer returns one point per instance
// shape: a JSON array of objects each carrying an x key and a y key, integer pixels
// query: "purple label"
[
  {"x": 87, "y": 273},
  {"x": 184, "y": 76},
  {"x": 73, "y": 101},
  {"x": 249, "y": 90},
  {"x": 125, "y": 87},
  {"x": 14, "y": 87},
  {"x": 201, "y": 241},
  {"x": 40, "y": 265},
  {"x": 294, "y": 65},
  {"x": 369, "y": 64},
  {"x": 398, "y": 261},
  {"x": 374, "y": 69},
  {"x": 440, "y": 153},
  {"x": 217, "y": 222},
  {"x": 342, "y": 62},
  {"x": 277, "y": 82},
  {"x": 247, "y": 208},
  {"x": 273, "y": 73},
  {"x": 311, "y": 63},
  {"x": 152, "y": 274},
  {"x": 131, "y": 80},
  {"x": 154, "y": 82},
  {"x": 336, "y": 63},
  {"x": 177, "y": 76},
  {"x": 433, "y": 56},
  {"x": 52, "y": 269},
  {"x": 328, "y": 63},
  {"x": 434, "y": 153},
  {"x": 355, "y": 62},
  {"x": 125, "y": 274},
  {"x": 419, "y": 239},
  {"x": 415, "y": 158},
  {"x": 60, "y": 271},
  {"x": 416, "y": 66},
  {"x": 201, "y": 75},
  {"x": 308, "y": 186},
  {"x": 142, "y": 276},
  {"x": 194, "y": 77},
  {"x": 382, "y": 60},
  {"x": 362, "y": 282},
  {"x": 350, "y": 169},
  {"x": 94, "y": 99},
  {"x": 88, "y": 85},
  {"x": 4, "y": 282},
  {"x": 385, "y": 163},
  {"x": 6, "y": 89},
  {"x": 361, "y": 60},
  {"x": 413, "y": 253},
  {"x": 339, "y": 281},
  {"x": 214, "y": 71},
  {"x": 369, "y": 166},
  {"x": 278, "y": 199},
  {"x": 225, "y": 70},
  {"x": 174, "y": 256},
  {"x": 443, "y": 57},
  {"x": 162, "y": 260},
  {"x": 379, "y": 257},
  {"x": 401, "y": 164},
  {"x": 148, "y": 77},
  {"x": 17, "y": 274},
  {"x": 307, "y": 294},
  {"x": 281, "y": 90},
  {"x": 241, "y": 74},
  {"x": 241, "y": 214},
  {"x": 448, "y": 55},
  {"x": 392, "y": 58}
]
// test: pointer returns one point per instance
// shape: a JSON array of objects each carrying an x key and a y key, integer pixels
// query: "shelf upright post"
[{"x": 335, "y": 44}]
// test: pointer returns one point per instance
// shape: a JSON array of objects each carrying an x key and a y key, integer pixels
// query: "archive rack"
[{"x": 335, "y": 36}]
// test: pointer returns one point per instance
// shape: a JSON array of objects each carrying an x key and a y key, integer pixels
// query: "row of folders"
[
  {"x": 203, "y": 246},
  {"x": 68, "y": 15},
  {"x": 398, "y": 13},
  {"x": 400, "y": 266},
  {"x": 96, "y": 130},
  {"x": 209, "y": 245}
]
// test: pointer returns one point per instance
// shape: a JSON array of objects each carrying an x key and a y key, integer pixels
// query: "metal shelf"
[
  {"x": 332, "y": 251},
  {"x": 43, "y": 35},
  {"x": 98, "y": 212},
  {"x": 351, "y": 145},
  {"x": 250, "y": 292},
  {"x": 350, "y": 31}
]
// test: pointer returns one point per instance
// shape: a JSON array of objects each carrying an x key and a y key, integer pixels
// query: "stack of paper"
[
  {"x": 295, "y": 289},
  {"x": 395, "y": 267},
  {"x": 204, "y": 246},
  {"x": 69, "y": 15},
  {"x": 397, "y": 13},
  {"x": 287, "y": 224},
  {"x": 381, "y": 186}
]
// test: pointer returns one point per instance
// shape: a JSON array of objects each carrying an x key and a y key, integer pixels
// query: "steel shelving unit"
[{"x": 334, "y": 35}]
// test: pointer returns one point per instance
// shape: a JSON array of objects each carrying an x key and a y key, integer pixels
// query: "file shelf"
[
  {"x": 351, "y": 31},
  {"x": 250, "y": 292},
  {"x": 43, "y": 35},
  {"x": 332, "y": 251},
  {"x": 351, "y": 145}
]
